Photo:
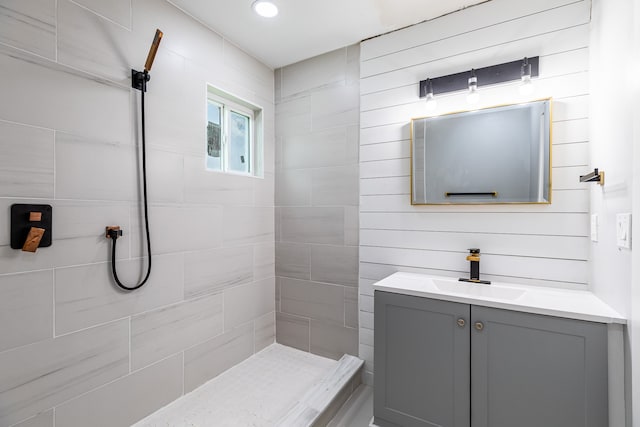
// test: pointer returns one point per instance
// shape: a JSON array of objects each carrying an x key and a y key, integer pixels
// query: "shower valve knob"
[{"x": 113, "y": 232}]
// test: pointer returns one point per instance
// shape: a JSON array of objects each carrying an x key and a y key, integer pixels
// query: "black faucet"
[{"x": 474, "y": 272}]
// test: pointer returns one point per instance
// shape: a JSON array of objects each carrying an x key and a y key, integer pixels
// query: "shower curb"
[{"x": 321, "y": 403}]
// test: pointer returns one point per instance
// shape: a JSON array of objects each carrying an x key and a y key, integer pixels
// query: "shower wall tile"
[
  {"x": 217, "y": 269},
  {"x": 351, "y": 307},
  {"x": 248, "y": 302},
  {"x": 182, "y": 227},
  {"x": 264, "y": 190},
  {"x": 26, "y": 161},
  {"x": 91, "y": 169},
  {"x": 209, "y": 359},
  {"x": 317, "y": 198},
  {"x": 165, "y": 171},
  {"x": 26, "y": 308},
  {"x": 57, "y": 98},
  {"x": 118, "y": 11},
  {"x": 79, "y": 218},
  {"x": 293, "y": 117},
  {"x": 335, "y": 186},
  {"x": 61, "y": 253},
  {"x": 127, "y": 400},
  {"x": 243, "y": 69},
  {"x": 87, "y": 295},
  {"x": 177, "y": 126},
  {"x": 293, "y": 260},
  {"x": 188, "y": 38},
  {"x": 264, "y": 332},
  {"x": 317, "y": 149},
  {"x": 335, "y": 264},
  {"x": 36, "y": 377},
  {"x": 292, "y": 331},
  {"x": 351, "y": 226},
  {"x": 322, "y": 225},
  {"x": 353, "y": 65},
  {"x": 335, "y": 107},
  {"x": 70, "y": 137},
  {"x": 264, "y": 260},
  {"x": 333, "y": 341},
  {"x": 44, "y": 419},
  {"x": 245, "y": 225},
  {"x": 205, "y": 186},
  {"x": 29, "y": 25},
  {"x": 168, "y": 330},
  {"x": 293, "y": 187},
  {"x": 89, "y": 42},
  {"x": 319, "y": 301},
  {"x": 320, "y": 71}
]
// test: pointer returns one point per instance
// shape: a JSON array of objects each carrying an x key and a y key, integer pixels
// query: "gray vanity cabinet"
[
  {"x": 421, "y": 359},
  {"x": 529, "y": 370},
  {"x": 439, "y": 363}
]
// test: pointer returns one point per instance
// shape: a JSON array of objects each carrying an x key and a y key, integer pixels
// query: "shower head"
[{"x": 152, "y": 51}]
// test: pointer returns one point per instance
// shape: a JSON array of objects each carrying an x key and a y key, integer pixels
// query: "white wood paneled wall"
[{"x": 543, "y": 245}]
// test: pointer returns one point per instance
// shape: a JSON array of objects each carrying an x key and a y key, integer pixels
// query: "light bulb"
[
  {"x": 265, "y": 8},
  {"x": 474, "y": 95},
  {"x": 431, "y": 102},
  {"x": 526, "y": 86}
]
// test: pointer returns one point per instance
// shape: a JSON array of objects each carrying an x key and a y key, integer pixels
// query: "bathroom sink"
[{"x": 478, "y": 290}]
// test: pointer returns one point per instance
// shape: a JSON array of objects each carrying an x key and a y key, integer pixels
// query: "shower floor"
[{"x": 258, "y": 392}]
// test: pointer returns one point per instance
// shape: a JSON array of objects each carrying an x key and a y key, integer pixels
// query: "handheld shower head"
[
  {"x": 139, "y": 79},
  {"x": 152, "y": 51}
]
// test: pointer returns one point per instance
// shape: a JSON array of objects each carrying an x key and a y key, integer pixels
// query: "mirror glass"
[{"x": 492, "y": 155}]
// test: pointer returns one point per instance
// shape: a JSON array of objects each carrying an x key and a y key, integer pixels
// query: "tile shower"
[{"x": 67, "y": 138}]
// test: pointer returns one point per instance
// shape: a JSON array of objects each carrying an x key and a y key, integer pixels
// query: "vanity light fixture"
[
  {"x": 473, "y": 96},
  {"x": 430, "y": 98},
  {"x": 265, "y": 8},
  {"x": 518, "y": 70},
  {"x": 526, "y": 86}
]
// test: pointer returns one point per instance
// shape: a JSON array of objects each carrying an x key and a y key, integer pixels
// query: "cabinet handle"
[
  {"x": 479, "y": 326},
  {"x": 461, "y": 322}
]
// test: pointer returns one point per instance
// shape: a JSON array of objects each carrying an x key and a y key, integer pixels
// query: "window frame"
[{"x": 229, "y": 103}]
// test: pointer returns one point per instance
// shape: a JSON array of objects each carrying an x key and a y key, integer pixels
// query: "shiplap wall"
[{"x": 545, "y": 245}]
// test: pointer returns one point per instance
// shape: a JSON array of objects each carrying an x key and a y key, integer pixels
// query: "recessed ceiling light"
[{"x": 265, "y": 8}]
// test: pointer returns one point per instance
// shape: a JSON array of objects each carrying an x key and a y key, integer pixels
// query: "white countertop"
[{"x": 573, "y": 304}]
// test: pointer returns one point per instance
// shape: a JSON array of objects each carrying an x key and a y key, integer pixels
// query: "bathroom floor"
[{"x": 256, "y": 392}]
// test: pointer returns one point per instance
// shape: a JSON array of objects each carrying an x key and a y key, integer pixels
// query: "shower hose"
[{"x": 114, "y": 234}]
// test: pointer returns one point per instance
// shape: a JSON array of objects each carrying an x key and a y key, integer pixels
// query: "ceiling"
[{"x": 306, "y": 28}]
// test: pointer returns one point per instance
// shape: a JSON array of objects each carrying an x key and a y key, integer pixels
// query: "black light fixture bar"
[{"x": 486, "y": 76}]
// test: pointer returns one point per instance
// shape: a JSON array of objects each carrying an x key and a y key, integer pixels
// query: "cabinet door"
[
  {"x": 531, "y": 370},
  {"x": 421, "y": 362}
]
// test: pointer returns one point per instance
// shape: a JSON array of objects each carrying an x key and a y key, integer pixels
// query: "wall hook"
[{"x": 595, "y": 176}]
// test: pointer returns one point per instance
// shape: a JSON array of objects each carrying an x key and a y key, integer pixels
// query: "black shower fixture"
[{"x": 139, "y": 81}]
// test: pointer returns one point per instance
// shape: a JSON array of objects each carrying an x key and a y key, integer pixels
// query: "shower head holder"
[{"x": 139, "y": 79}]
